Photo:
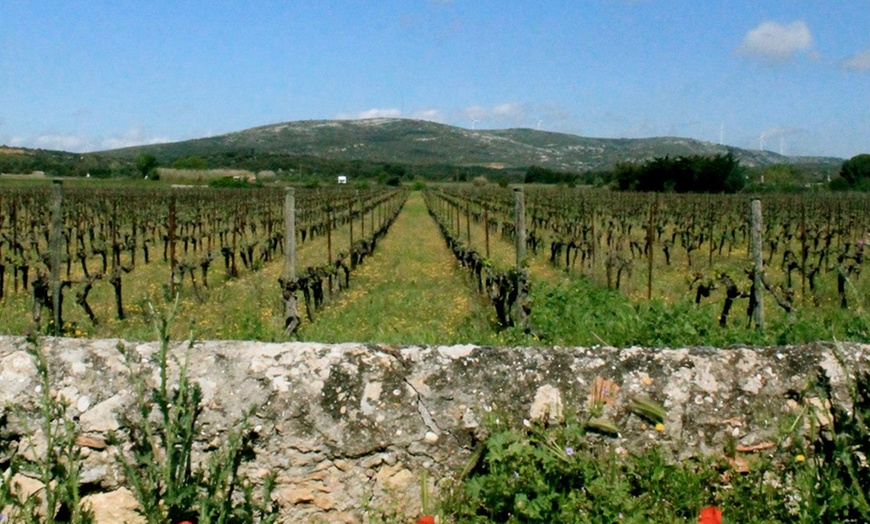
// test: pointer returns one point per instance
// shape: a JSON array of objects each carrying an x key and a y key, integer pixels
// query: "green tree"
[
  {"x": 146, "y": 163},
  {"x": 191, "y": 162},
  {"x": 543, "y": 175},
  {"x": 683, "y": 174},
  {"x": 856, "y": 171}
]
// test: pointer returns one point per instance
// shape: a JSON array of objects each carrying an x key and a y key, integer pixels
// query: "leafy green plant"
[
  {"x": 561, "y": 474},
  {"x": 161, "y": 471},
  {"x": 58, "y": 467},
  {"x": 840, "y": 451}
]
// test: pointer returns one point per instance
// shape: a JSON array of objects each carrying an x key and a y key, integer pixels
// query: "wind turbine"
[
  {"x": 539, "y": 124},
  {"x": 473, "y": 123},
  {"x": 782, "y": 145},
  {"x": 722, "y": 135},
  {"x": 761, "y": 142}
]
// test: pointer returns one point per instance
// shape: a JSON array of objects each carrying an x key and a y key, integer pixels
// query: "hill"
[
  {"x": 367, "y": 147},
  {"x": 415, "y": 142}
]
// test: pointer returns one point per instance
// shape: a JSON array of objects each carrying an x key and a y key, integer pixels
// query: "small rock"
[
  {"x": 116, "y": 506},
  {"x": 324, "y": 502},
  {"x": 102, "y": 418},
  {"x": 83, "y": 403},
  {"x": 547, "y": 403},
  {"x": 90, "y": 442},
  {"x": 295, "y": 496}
]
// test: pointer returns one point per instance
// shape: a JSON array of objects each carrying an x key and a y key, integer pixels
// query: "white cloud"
[
  {"x": 777, "y": 42},
  {"x": 132, "y": 137},
  {"x": 74, "y": 143},
  {"x": 371, "y": 113},
  {"x": 83, "y": 143},
  {"x": 430, "y": 114},
  {"x": 643, "y": 129},
  {"x": 510, "y": 109},
  {"x": 858, "y": 62},
  {"x": 779, "y": 131},
  {"x": 509, "y": 114}
]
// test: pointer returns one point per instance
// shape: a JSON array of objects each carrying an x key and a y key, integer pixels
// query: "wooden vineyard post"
[
  {"x": 56, "y": 239},
  {"x": 288, "y": 282},
  {"x": 329, "y": 244},
  {"x": 13, "y": 219},
  {"x": 520, "y": 218},
  {"x": 803, "y": 254},
  {"x": 350, "y": 219},
  {"x": 173, "y": 219},
  {"x": 458, "y": 225},
  {"x": 329, "y": 233},
  {"x": 468, "y": 221},
  {"x": 522, "y": 282},
  {"x": 710, "y": 238},
  {"x": 362, "y": 215},
  {"x": 290, "y": 234},
  {"x": 135, "y": 240},
  {"x": 486, "y": 226},
  {"x": 594, "y": 241},
  {"x": 649, "y": 245},
  {"x": 758, "y": 264}
]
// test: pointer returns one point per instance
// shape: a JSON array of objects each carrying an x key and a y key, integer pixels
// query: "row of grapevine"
[
  {"x": 674, "y": 246},
  {"x": 113, "y": 235},
  {"x": 506, "y": 288}
]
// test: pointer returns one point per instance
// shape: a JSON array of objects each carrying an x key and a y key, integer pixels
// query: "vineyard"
[
  {"x": 123, "y": 252},
  {"x": 573, "y": 266}
]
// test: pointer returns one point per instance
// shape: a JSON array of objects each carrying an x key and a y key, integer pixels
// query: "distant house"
[{"x": 342, "y": 179}]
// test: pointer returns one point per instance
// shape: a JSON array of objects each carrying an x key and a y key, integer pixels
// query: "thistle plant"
[
  {"x": 161, "y": 470},
  {"x": 58, "y": 468}
]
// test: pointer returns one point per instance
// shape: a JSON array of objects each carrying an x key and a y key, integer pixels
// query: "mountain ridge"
[{"x": 406, "y": 141}]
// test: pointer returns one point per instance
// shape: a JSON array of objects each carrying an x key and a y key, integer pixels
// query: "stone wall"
[{"x": 349, "y": 427}]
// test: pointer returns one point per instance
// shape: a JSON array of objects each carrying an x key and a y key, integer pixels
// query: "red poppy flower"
[
  {"x": 710, "y": 515},
  {"x": 426, "y": 520}
]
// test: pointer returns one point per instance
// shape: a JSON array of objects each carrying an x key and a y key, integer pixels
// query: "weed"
[
  {"x": 58, "y": 467},
  {"x": 561, "y": 473},
  {"x": 160, "y": 466}
]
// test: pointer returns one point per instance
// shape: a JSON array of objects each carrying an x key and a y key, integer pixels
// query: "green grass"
[
  {"x": 577, "y": 312},
  {"x": 410, "y": 292}
]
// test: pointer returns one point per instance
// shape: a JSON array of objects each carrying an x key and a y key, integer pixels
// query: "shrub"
[{"x": 233, "y": 182}]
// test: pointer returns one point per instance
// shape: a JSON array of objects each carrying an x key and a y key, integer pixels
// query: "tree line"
[
  {"x": 721, "y": 173},
  {"x": 683, "y": 174}
]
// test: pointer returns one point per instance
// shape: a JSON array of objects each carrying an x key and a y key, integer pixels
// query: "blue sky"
[{"x": 793, "y": 75}]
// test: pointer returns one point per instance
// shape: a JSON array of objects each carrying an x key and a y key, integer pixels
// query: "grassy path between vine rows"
[{"x": 411, "y": 291}]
